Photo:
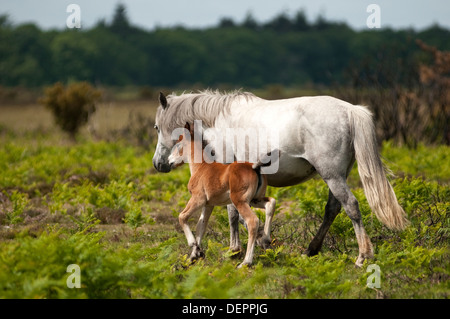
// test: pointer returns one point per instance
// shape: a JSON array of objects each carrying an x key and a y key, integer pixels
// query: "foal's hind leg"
[
  {"x": 252, "y": 223},
  {"x": 341, "y": 191},
  {"x": 332, "y": 208}
]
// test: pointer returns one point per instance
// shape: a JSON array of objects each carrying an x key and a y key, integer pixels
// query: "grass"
[{"x": 99, "y": 203}]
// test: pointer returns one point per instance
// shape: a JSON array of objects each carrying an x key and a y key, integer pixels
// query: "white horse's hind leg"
[
  {"x": 233, "y": 217},
  {"x": 341, "y": 191},
  {"x": 332, "y": 209}
]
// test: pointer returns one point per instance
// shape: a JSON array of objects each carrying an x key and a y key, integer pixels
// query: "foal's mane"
[{"x": 205, "y": 106}]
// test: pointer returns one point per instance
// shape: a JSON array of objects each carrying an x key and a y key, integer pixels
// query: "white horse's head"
[
  {"x": 165, "y": 142},
  {"x": 175, "y": 111}
]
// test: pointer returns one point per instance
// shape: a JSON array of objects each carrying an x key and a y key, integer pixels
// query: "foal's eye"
[{"x": 156, "y": 127}]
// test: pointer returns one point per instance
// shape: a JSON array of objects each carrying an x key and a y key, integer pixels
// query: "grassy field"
[{"x": 98, "y": 203}]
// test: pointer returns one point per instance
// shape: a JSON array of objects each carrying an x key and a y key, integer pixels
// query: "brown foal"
[{"x": 216, "y": 184}]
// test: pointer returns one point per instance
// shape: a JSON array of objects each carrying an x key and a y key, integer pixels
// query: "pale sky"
[{"x": 148, "y": 14}]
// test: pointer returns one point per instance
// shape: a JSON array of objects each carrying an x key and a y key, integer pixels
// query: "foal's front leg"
[
  {"x": 192, "y": 206},
  {"x": 197, "y": 251}
]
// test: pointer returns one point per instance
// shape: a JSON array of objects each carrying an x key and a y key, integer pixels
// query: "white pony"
[{"x": 316, "y": 135}]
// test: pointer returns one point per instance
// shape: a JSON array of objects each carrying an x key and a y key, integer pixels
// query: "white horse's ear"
[{"x": 162, "y": 100}]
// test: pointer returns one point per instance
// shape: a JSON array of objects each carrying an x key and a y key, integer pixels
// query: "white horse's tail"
[{"x": 379, "y": 193}]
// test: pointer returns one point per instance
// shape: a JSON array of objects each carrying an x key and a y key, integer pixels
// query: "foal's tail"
[
  {"x": 266, "y": 160},
  {"x": 379, "y": 192}
]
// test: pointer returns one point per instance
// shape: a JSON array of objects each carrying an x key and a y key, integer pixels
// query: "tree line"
[{"x": 286, "y": 50}]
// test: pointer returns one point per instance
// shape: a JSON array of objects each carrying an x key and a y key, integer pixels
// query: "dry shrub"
[
  {"x": 72, "y": 105},
  {"x": 436, "y": 79},
  {"x": 410, "y": 100}
]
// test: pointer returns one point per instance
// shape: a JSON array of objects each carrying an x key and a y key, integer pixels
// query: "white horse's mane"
[{"x": 205, "y": 106}]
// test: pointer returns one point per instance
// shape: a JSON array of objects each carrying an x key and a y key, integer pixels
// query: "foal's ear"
[
  {"x": 162, "y": 100},
  {"x": 189, "y": 128}
]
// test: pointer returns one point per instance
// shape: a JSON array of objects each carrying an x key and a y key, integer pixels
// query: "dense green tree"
[
  {"x": 300, "y": 23},
  {"x": 120, "y": 23},
  {"x": 226, "y": 23},
  {"x": 286, "y": 50},
  {"x": 74, "y": 56},
  {"x": 280, "y": 23},
  {"x": 250, "y": 22},
  {"x": 23, "y": 54}
]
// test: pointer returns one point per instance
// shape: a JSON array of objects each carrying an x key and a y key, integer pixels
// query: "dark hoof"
[
  {"x": 310, "y": 252},
  {"x": 197, "y": 253},
  {"x": 264, "y": 243},
  {"x": 201, "y": 254}
]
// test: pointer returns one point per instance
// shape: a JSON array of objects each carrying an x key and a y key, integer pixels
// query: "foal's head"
[{"x": 181, "y": 151}]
